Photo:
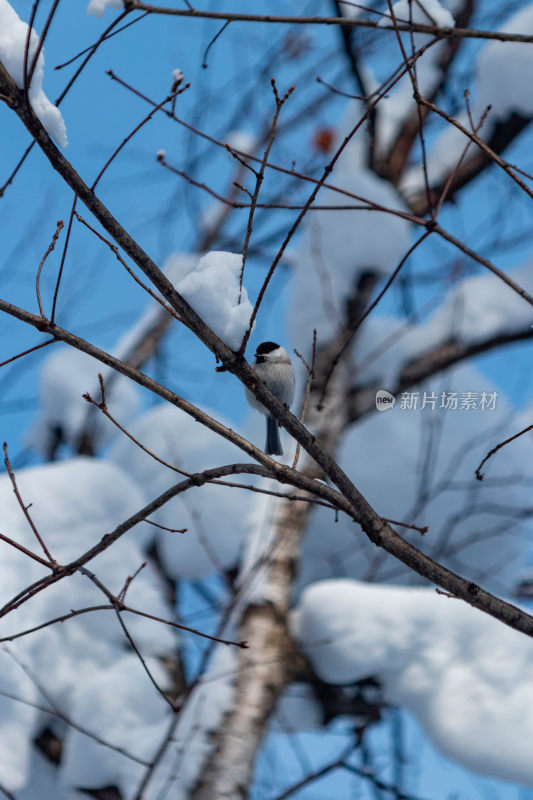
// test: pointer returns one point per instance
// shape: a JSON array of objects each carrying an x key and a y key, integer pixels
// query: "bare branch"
[
  {"x": 24, "y": 508},
  {"x": 280, "y": 101},
  {"x": 349, "y": 22},
  {"x": 479, "y": 474},
  {"x": 49, "y": 250}
]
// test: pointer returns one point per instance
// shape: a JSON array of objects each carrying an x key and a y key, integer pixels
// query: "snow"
[
  {"x": 467, "y": 677},
  {"x": 475, "y": 528},
  {"x": 131, "y": 718},
  {"x": 501, "y": 82},
  {"x": 424, "y": 12},
  {"x": 198, "y": 721},
  {"x": 98, "y": 7},
  {"x": 503, "y": 71},
  {"x": 212, "y": 289},
  {"x": 477, "y": 308},
  {"x": 81, "y": 663},
  {"x": 13, "y": 33},
  {"x": 15, "y": 721},
  {"x": 339, "y": 246},
  {"x": 482, "y": 306},
  {"x": 398, "y": 104},
  {"x": 212, "y": 514},
  {"x": 244, "y": 141},
  {"x": 66, "y": 375}
]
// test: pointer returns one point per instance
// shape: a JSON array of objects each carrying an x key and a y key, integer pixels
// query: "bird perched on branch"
[{"x": 273, "y": 365}]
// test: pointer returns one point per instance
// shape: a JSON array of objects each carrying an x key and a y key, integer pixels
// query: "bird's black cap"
[{"x": 266, "y": 347}]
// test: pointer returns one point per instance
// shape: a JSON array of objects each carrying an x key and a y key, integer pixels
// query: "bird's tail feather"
[{"x": 273, "y": 443}]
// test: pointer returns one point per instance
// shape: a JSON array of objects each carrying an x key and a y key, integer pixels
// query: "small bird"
[{"x": 273, "y": 365}]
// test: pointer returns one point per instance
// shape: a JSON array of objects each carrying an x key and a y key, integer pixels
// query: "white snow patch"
[
  {"x": 17, "y": 722},
  {"x": 244, "y": 141},
  {"x": 66, "y": 375},
  {"x": 502, "y": 81},
  {"x": 13, "y": 33},
  {"x": 212, "y": 514},
  {"x": 423, "y": 12},
  {"x": 98, "y": 7},
  {"x": 130, "y": 717},
  {"x": 476, "y": 528},
  {"x": 466, "y": 676},
  {"x": 339, "y": 246},
  {"x": 503, "y": 71},
  {"x": 212, "y": 289},
  {"x": 74, "y": 504}
]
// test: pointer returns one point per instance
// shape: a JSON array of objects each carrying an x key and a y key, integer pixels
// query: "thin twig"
[
  {"x": 7, "y": 793},
  {"x": 355, "y": 327},
  {"x": 212, "y": 42},
  {"x": 336, "y": 763},
  {"x": 489, "y": 152},
  {"x": 356, "y": 22},
  {"x": 259, "y": 175},
  {"x": 137, "y": 128},
  {"x": 479, "y": 474},
  {"x": 453, "y": 173},
  {"x": 310, "y": 375},
  {"x": 420, "y": 528},
  {"x": 24, "y": 508},
  {"x": 105, "y": 36},
  {"x": 165, "y": 528},
  {"x": 29, "y": 350},
  {"x": 29, "y": 31},
  {"x": 55, "y": 712},
  {"x": 102, "y": 406},
  {"x": 51, "y": 246},
  {"x": 127, "y": 583},
  {"x": 363, "y": 206},
  {"x": 128, "y": 269},
  {"x": 40, "y": 43},
  {"x": 117, "y": 606},
  {"x": 63, "y": 257},
  {"x": 27, "y": 552}
]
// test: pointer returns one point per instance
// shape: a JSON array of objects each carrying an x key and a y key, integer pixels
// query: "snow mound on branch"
[
  {"x": 131, "y": 718},
  {"x": 74, "y": 504},
  {"x": 13, "y": 33},
  {"x": 503, "y": 71},
  {"x": 478, "y": 308},
  {"x": 339, "y": 246},
  {"x": 138, "y": 723},
  {"x": 466, "y": 676},
  {"x": 502, "y": 76},
  {"x": 482, "y": 306},
  {"x": 98, "y": 7},
  {"x": 16, "y": 719},
  {"x": 212, "y": 514},
  {"x": 398, "y": 104},
  {"x": 212, "y": 289},
  {"x": 66, "y": 375}
]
